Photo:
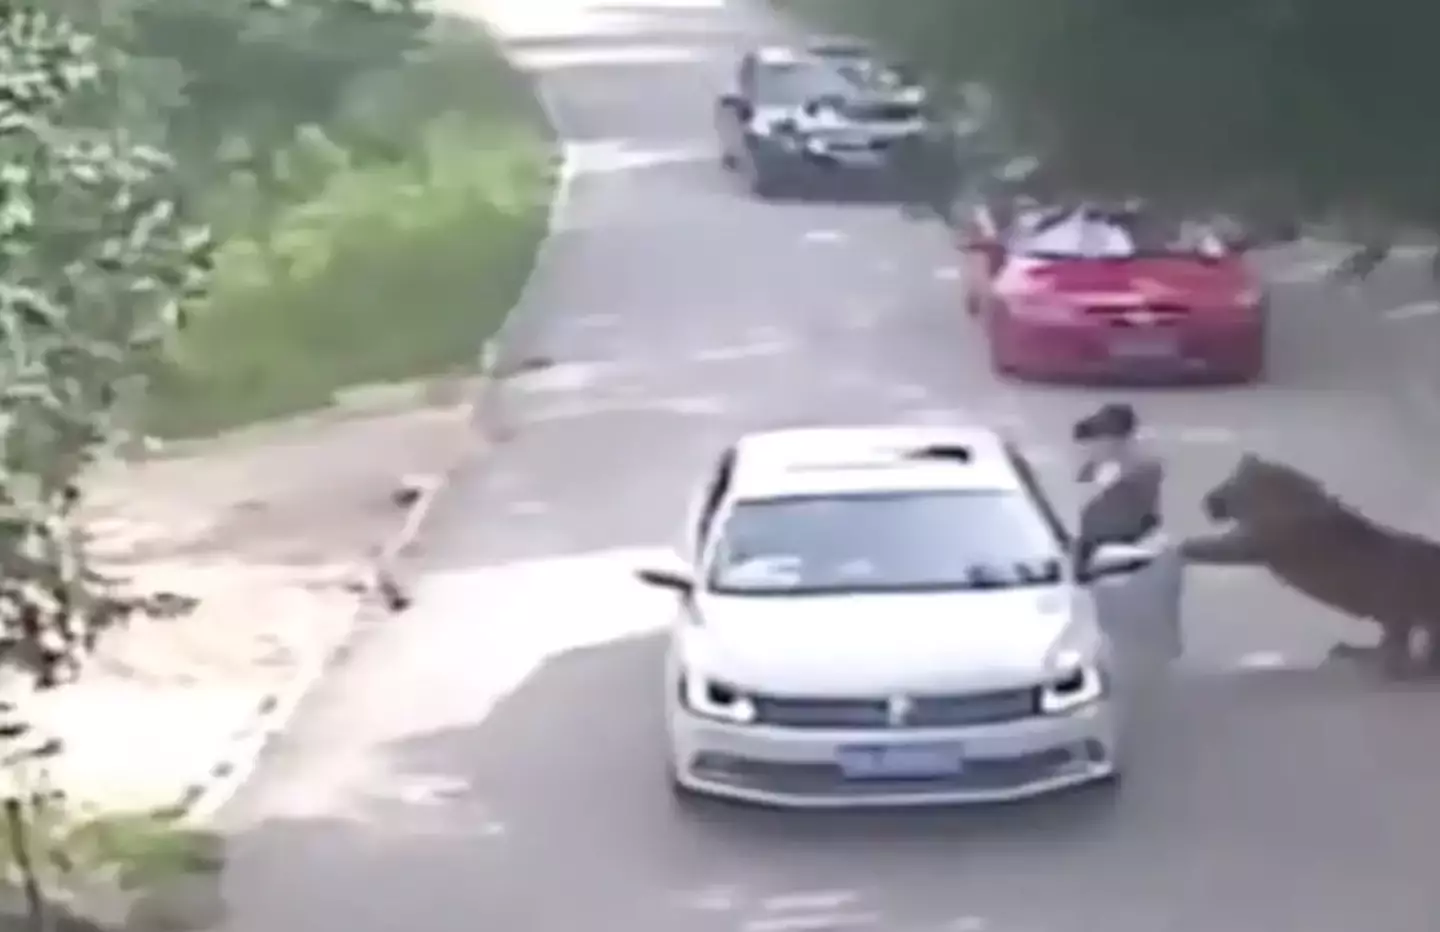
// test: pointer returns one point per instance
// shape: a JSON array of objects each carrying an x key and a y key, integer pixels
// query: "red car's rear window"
[{"x": 1091, "y": 236}]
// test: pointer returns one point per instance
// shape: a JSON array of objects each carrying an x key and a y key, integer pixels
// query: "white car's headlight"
[
  {"x": 712, "y": 698},
  {"x": 1077, "y": 681},
  {"x": 816, "y": 146}
]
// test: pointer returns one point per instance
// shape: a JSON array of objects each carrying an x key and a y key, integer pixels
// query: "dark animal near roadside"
[
  {"x": 1363, "y": 260},
  {"x": 1288, "y": 522}
]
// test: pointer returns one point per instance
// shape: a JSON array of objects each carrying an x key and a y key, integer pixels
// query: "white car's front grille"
[
  {"x": 817, "y": 780},
  {"x": 913, "y": 711}
]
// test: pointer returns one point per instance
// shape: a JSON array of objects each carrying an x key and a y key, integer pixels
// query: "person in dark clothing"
[
  {"x": 1102, "y": 435},
  {"x": 1126, "y": 480},
  {"x": 927, "y": 171}
]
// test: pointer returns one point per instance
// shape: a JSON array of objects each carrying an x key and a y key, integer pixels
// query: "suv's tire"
[{"x": 760, "y": 181}]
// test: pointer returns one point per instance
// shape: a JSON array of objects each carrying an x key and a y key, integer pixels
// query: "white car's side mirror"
[
  {"x": 669, "y": 574},
  {"x": 1117, "y": 559}
]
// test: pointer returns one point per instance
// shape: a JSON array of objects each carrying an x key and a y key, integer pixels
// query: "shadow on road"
[
  {"x": 561, "y": 787},
  {"x": 503, "y": 805}
]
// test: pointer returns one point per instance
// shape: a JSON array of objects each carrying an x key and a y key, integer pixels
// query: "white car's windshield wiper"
[{"x": 1041, "y": 572}]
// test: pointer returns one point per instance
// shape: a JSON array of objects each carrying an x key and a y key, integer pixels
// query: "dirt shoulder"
[{"x": 274, "y": 529}]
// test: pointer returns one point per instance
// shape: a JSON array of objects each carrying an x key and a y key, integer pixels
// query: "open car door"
[
  {"x": 1137, "y": 583},
  {"x": 705, "y": 501},
  {"x": 980, "y": 237},
  {"x": 981, "y": 243}
]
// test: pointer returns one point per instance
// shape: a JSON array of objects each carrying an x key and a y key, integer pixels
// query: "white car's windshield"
[{"x": 900, "y": 542}]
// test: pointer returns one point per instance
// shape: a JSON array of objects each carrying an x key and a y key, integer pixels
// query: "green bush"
[
  {"x": 227, "y": 83},
  {"x": 395, "y": 269}
]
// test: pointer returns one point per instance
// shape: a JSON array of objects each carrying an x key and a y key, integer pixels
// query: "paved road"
[{"x": 492, "y": 760}]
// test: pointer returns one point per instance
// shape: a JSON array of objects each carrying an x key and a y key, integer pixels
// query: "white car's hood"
[{"x": 877, "y": 644}]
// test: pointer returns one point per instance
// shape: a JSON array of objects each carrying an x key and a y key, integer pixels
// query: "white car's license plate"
[
  {"x": 900, "y": 762},
  {"x": 1145, "y": 346}
]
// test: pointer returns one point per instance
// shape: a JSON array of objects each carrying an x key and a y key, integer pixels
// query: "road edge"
[
  {"x": 202, "y": 800},
  {"x": 206, "y": 796}
]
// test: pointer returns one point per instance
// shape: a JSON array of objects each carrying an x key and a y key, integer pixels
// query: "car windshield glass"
[
  {"x": 901, "y": 542},
  {"x": 1098, "y": 234},
  {"x": 794, "y": 83},
  {"x": 869, "y": 76}
]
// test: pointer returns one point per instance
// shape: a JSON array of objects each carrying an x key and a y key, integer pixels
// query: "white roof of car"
[
  {"x": 858, "y": 460},
  {"x": 779, "y": 55}
]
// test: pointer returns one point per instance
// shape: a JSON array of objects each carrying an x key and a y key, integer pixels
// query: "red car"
[{"x": 1085, "y": 293}]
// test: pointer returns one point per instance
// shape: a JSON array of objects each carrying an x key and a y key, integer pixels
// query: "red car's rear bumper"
[{"x": 1224, "y": 349}]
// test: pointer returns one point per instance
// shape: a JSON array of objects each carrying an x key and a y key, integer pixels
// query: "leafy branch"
[{"x": 99, "y": 260}]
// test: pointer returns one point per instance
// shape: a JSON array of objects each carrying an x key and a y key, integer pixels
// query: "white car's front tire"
[
  {"x": 681, "y": 792},
  {"x": 1110, "y": 780},
  {"x": 1103, "y": 791}
]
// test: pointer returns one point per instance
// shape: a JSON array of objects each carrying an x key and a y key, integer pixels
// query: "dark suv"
[{"x": 801, "y": 116}]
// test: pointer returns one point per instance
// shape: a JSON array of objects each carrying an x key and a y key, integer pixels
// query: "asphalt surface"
[{"x": 493, "y": 759}]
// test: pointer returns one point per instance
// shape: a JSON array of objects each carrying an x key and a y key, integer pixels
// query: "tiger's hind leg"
[
  {"x": 1430, "y": 649},
  {"x": 1391, "y": 657},
  {"x": 1369, "y": 656},
  {"x": 1396, "y": 659}
]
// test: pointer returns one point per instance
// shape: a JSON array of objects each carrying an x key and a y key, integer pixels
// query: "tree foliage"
[
  {"x": 256, "y": 72},
  {"x": 114, "y": 118},
  {"x": 1318, "y": 108},
  {"x": 99, "y": 257},
  {"x": 104, "y": 242},
  {"x": 65, "y": 869},
  {"x": 102, "y": 250}
]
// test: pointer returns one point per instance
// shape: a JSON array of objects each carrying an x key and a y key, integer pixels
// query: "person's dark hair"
[{"x": 1112, "y": 421}]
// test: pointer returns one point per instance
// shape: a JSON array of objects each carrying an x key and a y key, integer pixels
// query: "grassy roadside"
[{"x": 394, "y": 271}]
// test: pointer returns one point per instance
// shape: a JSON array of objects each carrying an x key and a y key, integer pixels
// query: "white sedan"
[{"x": 895, "y": 616}]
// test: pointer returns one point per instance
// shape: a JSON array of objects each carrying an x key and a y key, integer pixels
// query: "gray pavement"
[{"x": 493, "y": 759}]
